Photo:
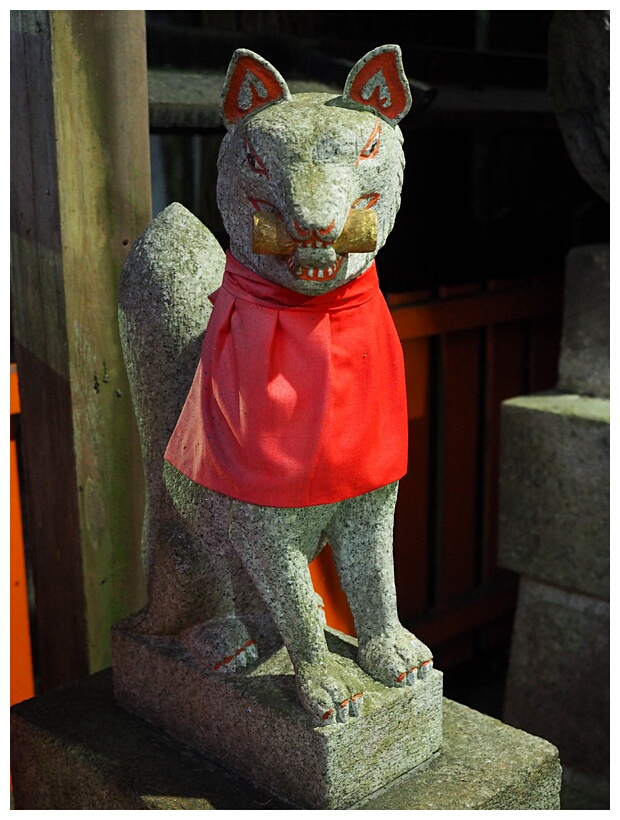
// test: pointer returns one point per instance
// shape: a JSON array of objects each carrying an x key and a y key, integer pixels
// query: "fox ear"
[
  {"x": 251, "y": 84},
  {"x": 378, "y": 82}
]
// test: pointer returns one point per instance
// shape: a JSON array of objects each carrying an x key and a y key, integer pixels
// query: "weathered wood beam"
[{"x": 80, "y": 194}]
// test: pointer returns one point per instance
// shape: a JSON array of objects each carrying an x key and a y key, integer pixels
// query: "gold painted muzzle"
[{"x": 359, "y": 234}]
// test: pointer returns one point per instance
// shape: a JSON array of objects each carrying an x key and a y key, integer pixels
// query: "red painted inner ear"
[
  {"x": 252, "y": 86},
  {"x": 368, "y": 86}
]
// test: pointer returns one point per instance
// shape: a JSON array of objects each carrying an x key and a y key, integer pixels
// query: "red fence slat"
[
  {"x": 506, "y": 358},
  {"x": 22, "y": 677},
  {"x": 411, "y": 524},
  {"x": 459, "y": 481}
]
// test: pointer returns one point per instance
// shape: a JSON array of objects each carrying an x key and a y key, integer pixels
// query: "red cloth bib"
[{"x": 297, "y": 400}]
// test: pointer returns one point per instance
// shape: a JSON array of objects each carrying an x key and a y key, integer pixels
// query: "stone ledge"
[
  {"x": 75, "y": 748},
  {"x": 554, "y": 490}
]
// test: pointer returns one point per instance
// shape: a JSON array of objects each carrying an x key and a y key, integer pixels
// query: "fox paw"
[
  {"x": 329, "y": 691},
  {"x": 395, "y": 658},
  {"x": 222, "y": 645},
  {"x": 241, "y": 657}
]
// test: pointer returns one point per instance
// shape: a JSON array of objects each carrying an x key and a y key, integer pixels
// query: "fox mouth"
[
  {"x": 314, "y": 255},
  {"x": 313, "y": 274}
]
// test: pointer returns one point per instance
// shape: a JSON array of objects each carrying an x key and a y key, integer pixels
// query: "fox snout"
[
  {"x": 271, "y": 237},
  {"x": 314, "y": 237},
  {"x": 314, "y": 247},
  {"x": 314, "y": 252}
]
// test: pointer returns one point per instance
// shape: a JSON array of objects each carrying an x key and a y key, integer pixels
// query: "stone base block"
[
  {"x": 558, "y": 680},
  {"x": 584, "y": 361},
  {"x": 76, "y": 748},
  {"x": 554, "y": 490},
  {"x": 252, "y": 723}
]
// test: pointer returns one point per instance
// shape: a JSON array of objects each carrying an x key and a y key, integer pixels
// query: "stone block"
[
  {"x": 584, "y": 360},
  {"x": 252, "y": 722},
  {"x": 558, "y": 681},
  {"x": 554, "y": 490},
  {"x": 76, "y": 748}
]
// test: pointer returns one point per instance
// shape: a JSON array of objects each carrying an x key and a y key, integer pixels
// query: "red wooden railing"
[{"x": 465, "y": 351}]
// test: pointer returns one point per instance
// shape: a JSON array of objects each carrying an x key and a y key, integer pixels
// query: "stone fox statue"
[{"x": 283, "y": 427}]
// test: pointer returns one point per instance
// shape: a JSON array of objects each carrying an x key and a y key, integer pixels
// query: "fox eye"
[
  {"x": 371, "y": 149},
  {"x": 253, "y": 159}
]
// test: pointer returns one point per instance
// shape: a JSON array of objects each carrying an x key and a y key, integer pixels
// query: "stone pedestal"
[
  {"x": 76, "y": 748},
  {"x": 251, "y": 720},
  {"x": 554, "y": 515},
  {"x": 554, "y": 531},
  {"x": 558, "y": 684}
]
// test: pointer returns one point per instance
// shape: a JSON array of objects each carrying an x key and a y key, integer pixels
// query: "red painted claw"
[{"x": 224, "y": 662}]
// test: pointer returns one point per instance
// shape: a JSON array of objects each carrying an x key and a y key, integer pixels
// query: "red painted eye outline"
[
  {"x": 371, "y": 149},
  {"x": 262, "y": 205},
  {"x": 366, "y": 201},
  {"x": 253, "y": 159}
]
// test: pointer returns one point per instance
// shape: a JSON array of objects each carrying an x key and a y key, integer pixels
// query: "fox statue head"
[{"x": 311, "y": 161}]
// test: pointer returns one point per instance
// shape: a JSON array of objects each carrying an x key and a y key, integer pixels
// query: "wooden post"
[{"x": 80, "y": 194}]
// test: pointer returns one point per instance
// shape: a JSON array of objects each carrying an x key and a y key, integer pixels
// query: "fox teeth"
[{"x": 314, "y": 273}]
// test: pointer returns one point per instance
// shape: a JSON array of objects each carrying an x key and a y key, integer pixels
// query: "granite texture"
[
  {"x": 484, "y": 765},
  {"x": 584, "y": 360},
  {"x": 230, "y": 579},
  {"x": 564, "y": 636},
  {"x": 554, "y": 490},
  {"x": 75, "y": 748},
  {"x": 277, "y": 744},
  {"x": 163, "y": 312}
]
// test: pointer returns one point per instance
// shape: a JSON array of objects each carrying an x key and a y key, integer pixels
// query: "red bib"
[{"x": 297, "y": 400}]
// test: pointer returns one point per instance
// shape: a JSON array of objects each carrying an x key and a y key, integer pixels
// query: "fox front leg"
[
  {"x": 275, "y": 545},
  {"x": 361, "y": 540}
]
